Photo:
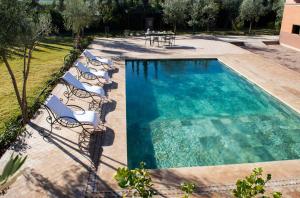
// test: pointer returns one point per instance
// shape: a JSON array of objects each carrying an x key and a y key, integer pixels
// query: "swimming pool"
[{"x": 184, "y": 113}]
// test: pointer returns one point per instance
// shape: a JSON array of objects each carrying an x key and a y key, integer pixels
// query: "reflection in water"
[
  {"x": 145, "y": 64},
  {"x": 137, "y": 68},
  {"x": 155, "y": 70}
]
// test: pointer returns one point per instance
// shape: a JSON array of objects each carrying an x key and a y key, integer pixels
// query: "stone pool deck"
[{"x": 69, "y": 165}]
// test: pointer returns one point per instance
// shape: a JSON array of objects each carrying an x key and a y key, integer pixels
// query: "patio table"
[{"x": 157, "y": 36}]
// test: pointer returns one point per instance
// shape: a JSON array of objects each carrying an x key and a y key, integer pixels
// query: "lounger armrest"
[
  {"x": 91, "y": 68},
  {"x": 87, "y": 83},
  {"x": 76, "y": 107}
]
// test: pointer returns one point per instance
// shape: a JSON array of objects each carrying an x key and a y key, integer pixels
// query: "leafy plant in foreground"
[
  {"x": 188, "y": 188},
  {"x": 253, "y": 185},
  {"x": 11, "y": 167},
  {"x": 137, "y": 180}
]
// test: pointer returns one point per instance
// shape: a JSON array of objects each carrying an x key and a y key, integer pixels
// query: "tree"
[
  {"x": 277, "y": 7},
  {"x": 204, "y": 13},
  {"x": 252, "y": 10},
  {"x": 231, "y": 7},
  {"x": 22, "y": 27},
  {"x": 77, "y": 16},
  {"x": 105, "y": 13},
  {"x": 174, "y": 11}
]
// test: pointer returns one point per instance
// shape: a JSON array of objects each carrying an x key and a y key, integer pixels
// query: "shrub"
[
  {"x": 137, "y": 180},
  {"x": 253, "y": 185},
  {"x": 188, "y": 189}
]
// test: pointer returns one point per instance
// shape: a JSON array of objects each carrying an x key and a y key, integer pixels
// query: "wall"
[{"x": 291, "y": 16}]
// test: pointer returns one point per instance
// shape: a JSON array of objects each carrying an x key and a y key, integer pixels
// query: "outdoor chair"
[
  {"x": 82, "y": 90},
  {"x": 169, "y": 39},
  {"x": 64, "y": 115},
  {"x": 98, "y": 61},
  {"x": 148, "y": 38},
  {"x": 91, "y": 73}
]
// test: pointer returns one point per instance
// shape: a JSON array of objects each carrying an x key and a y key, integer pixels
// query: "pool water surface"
[{"x": 184, "y": 113}]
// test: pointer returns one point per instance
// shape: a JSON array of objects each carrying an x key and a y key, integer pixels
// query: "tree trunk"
[
  {"x": 77, "y": 39},
  {"x": 233, "y": 25},
  {"x": 25, "y": 79},
  {"x": 14, "y": 82},
  {"x": 193, "y": 28},
  {"x": 250, "y": 27},
  {"x": 174, "y": 27}
]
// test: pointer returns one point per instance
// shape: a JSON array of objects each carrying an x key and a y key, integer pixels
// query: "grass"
[{"x": 47, "y": 59}]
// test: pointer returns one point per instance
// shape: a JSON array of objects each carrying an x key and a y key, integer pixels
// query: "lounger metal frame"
[
  {"x": 52, "y": 118},
  {"x": 97, "y": 63},
  {"x": 81, "y": 93},
  {"x": 89, "y": 75}
]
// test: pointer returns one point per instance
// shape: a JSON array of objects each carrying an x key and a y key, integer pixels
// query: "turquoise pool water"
[{"x": 183, "y": 113}]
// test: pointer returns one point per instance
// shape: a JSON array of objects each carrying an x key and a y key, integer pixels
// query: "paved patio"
[{"x": 66, "y": 165}]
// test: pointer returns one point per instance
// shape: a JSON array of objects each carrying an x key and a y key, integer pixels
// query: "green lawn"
[{"x": 47, "y": 59}]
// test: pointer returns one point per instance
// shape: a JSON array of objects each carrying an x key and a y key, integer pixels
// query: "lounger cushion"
[
  {"x": 94, "y": 89},
  {"x": 63, "y": 111},
  {"x": 88, "y": 117},
  {"x": 72, "y": 80}
]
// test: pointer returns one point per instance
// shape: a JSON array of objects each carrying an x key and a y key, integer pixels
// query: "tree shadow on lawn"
[{"x": 58, "y": 40}]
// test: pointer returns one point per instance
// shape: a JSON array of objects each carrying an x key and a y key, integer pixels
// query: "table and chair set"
[{"x": 161, "y": 38}]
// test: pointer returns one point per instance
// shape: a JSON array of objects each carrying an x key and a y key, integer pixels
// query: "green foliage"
[
  {"x": 277, "y": 7},
  {"x": 231, "y": 9},
  {"x": 252, "y": 10},
  {"x": 137, "y": 180},
  {"x": 11, "y": 14},
  {"x": 174, "y": 11},
  {"x": 77, "y": 15},
  {"x": 253, "y": 185},
  {"x": 188, "y": 188},
  {"x": 11, "y": 167},
  {"x": 12, "y": 129},
  {"x": 204, "y": 13},
  {"x": 105, "y": 10}
]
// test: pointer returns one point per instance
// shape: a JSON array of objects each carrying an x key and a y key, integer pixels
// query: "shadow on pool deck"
[
  {"x": 124, "y": 45},
  {"x": 88, "y": 146}
]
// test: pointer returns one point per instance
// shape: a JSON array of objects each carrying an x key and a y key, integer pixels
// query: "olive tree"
[
  {"x": 22, "y": 27},
  {"x": 77, "y": 16},
  {"x": 174, "y": 12},
  {"x": 277, "y": 7},
  {"x": 252, "y": 10},
  {"x": 203, "y": 13},
  {"x": 231, "y": 7}
]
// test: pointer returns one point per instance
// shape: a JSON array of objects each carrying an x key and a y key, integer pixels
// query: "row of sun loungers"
[{"x": 64, "y": 114}]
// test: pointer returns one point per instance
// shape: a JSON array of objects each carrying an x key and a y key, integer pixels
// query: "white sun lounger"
[
  {"x": 98, "y": 61},
  {"x": 83, "y": 90},
  {"x": 90, "y": 73},
  {"x": 84, "y": 86},
  {"x": 64, "y": 115}
]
